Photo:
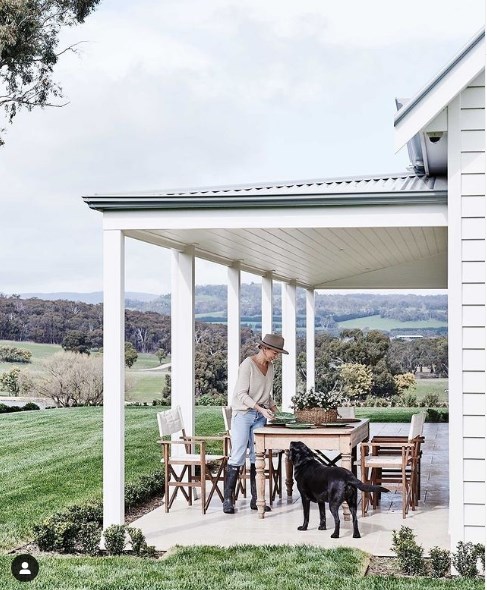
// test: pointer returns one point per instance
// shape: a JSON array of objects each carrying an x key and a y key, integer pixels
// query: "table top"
[{"x": 320, "y": 431}]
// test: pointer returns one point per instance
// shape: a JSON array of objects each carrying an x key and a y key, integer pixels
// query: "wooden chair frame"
[
  {"x": 185, "y": 478},
  {"x": 373, "y": 464},
  {"x": 415, "y": 436}
]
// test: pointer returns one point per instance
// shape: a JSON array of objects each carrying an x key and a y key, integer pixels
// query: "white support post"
[
  {"x": 310, "y": 338},
  {"x": 267, "y": 305},
  {"x": 289, "y": 334},
  {"x": 233, "y": 327},
  {"x": 182, "y": 335},
  {"x": 113, "y": 378}
]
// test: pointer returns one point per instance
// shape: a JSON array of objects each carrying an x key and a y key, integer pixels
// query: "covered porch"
[
  {"x": 356, "y": 233},
  {"x": 185, "y": 525}
]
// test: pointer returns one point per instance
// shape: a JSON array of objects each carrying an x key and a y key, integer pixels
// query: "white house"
[{"x": 419, "y": 229}]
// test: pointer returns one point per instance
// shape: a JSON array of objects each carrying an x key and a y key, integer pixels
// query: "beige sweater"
[{"x": 252, "y": 387}]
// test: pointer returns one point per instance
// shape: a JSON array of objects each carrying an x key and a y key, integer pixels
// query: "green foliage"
[
  {"x": 76, "y": 341},
  {"x": 479, "y": 550},
  {"x": 11, "y": 354},
  {"x": 116, "y": 541},
  {"x": 409, "y": 553},
  {"x": 143, "y": 489},
  {"x": 211, "y": 400},
  {"x": 30, "y": 406},
  {"x": 89, "y": 538},
  {"x": 464, "y": 559},
  {"x": 440, "y": 562},
  {"x": 29, "y": 38},
  {"x": 431, "y": 400},
  {"x": 355, "y": 379},
  {"x": 114, "y": 536},
  {"x": 408, "y": 400},
  {"x": 9, "y": 381},
  {"x": 434, "y": 415},
  {"x": 130, "y": 354},
  {"x": 405, "y": 381},
  {"x": 318, "y": 399},
  {"x": 161, "y": 354}
]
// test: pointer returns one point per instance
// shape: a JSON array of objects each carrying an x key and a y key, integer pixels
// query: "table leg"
[
  {"x": 289, "y": 477},
  {"x": 347, "y": 464},
  {"x": 260, "y": 481}
]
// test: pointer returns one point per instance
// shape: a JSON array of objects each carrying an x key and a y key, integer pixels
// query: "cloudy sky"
[{"x": 174, "y": 93}]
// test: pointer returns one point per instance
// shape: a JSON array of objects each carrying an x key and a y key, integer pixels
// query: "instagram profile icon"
[{"x": 25, "y": 568}]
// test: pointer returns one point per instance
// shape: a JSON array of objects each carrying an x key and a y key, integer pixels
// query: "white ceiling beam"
[{"x": 329, "y": 217}]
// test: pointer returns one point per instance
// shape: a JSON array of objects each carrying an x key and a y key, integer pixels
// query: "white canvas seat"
[
  {"x": 210, "y": 467},
  {"x": 394, "y": 460}
]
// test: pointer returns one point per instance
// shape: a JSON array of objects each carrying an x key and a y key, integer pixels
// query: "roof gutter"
[{"x": 132, "y": 203}]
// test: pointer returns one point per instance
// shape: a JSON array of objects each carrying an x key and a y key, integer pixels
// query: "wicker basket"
[{"x": 316, "y": 415}]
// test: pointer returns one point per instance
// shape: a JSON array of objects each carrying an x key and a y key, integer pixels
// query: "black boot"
[
  {"x": 253, "y": 490},
  {"x": 231, "y": 476}
]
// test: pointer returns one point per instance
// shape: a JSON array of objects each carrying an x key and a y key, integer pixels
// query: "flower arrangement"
[{"x": 326, "y": 400}]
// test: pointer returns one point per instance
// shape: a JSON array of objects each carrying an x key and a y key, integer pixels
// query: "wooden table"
[{"x": 342, "y": 439}]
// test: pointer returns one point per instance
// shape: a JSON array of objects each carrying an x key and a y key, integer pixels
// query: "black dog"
[{"x": 318, "y": 483}]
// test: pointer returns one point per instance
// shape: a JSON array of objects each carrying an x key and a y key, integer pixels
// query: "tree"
[
  {"x": 131, "y": 355},
  {"x": 76, "y": 341},
  {"x": 29, "y": 38},
  {"x": 72, "y": 379}
]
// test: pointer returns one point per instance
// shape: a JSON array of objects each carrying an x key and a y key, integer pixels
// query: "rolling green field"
[
  {"x": 145, "y": 385},
  {"x": 53, "y": 458},
  {"x": 376, "y": 322}
]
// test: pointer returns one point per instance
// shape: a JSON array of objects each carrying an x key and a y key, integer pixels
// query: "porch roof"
[{"x": 383, "y": 231}]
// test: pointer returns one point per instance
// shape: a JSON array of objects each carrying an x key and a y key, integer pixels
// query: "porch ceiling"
[{"x": 365, "y": 257}]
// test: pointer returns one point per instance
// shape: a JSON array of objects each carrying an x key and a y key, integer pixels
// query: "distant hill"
[
  {"x": 394, "y": 312},
  {"x": 95, "y": 297}
]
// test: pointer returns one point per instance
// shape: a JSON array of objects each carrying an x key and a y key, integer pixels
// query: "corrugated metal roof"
[
  {"x": 406, "y": 181},
  {"x": 365, "y": 190}
]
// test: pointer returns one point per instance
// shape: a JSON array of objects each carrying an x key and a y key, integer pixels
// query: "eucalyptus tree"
[{"x": 29, "y": 50}]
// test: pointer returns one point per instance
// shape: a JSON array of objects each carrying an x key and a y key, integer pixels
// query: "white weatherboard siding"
[{"x": 466, "y": 221}]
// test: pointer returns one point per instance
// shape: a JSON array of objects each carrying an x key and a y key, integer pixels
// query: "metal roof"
[
  {"x": 405, "y": 187},
  {"x": 446, "y": 70}
]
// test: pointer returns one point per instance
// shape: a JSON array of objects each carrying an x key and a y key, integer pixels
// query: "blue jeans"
[{"x": 243, "y": 425}]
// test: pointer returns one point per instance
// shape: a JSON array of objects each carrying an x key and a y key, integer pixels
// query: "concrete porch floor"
[{"x": 185, "y": 525}]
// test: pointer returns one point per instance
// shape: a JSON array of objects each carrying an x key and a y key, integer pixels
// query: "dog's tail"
[{"x": 365, "y": 487}]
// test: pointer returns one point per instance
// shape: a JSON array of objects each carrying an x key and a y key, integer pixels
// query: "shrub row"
[
  {"x": 11, "y": 354},
  {"x": 78, "y": 529},
  {"x": 406, "y": 400},
  {"x": 4, "y": 409},
  {"x": 410, "y": 555}
]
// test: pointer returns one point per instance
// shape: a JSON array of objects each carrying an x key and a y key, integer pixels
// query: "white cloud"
[{"x": 198, "y": 92}]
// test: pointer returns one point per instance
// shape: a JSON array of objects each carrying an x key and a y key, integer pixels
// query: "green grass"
[
  {"x": 388, "y": 414},
  {"x": 213, "y": 568},
  {"x": 425, "y": 386},
  {"x": 53, "y": 458},
  {"x": 40, "y": 352},
  {"x": 375, "y": 322}
]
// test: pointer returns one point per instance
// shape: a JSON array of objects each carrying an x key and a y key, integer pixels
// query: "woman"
[{"x": 252, "y": 406}]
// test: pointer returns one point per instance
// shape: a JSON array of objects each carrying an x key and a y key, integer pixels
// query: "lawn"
[
  {"x": 376, "y": 322},
  {"x": 40, "y": 352},
  {"x": 53, "y": 458},
  {"x": 213, "y": 568},
  {"x": 40, "y": 448}
]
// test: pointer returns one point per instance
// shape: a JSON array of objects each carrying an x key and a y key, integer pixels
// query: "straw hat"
[{"x": 274, "y": 342}]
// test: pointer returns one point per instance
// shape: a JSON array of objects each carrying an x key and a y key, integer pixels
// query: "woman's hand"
[{"x": 265, "y": 412}]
